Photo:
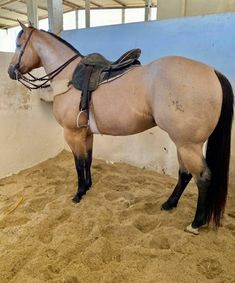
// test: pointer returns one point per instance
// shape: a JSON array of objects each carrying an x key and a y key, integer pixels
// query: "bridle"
[{"x": 41, "y": 82}]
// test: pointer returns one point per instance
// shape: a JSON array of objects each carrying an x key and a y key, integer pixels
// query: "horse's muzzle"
[{"x": 13, "y": 71}]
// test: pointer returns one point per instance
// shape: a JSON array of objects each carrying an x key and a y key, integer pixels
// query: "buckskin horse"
[{"x": 189, "y": 100}]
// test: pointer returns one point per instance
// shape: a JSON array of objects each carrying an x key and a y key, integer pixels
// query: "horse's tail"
[{"x": 218, "y": 155}]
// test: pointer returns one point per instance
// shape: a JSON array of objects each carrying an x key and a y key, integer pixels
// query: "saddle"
[{"x": 94, "y": 69}]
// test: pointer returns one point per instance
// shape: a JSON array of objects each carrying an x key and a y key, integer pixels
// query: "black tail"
[{"x": 218, "y": 155}]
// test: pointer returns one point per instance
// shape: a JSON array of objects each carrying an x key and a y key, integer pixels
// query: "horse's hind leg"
[
  {"x": 183, "y": 179},
  {"x": 195, "y": 163},
  {"x": 203, "y": 183}
]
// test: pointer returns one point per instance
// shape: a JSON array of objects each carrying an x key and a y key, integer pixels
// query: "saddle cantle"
[{"x": 94, "y": 69}]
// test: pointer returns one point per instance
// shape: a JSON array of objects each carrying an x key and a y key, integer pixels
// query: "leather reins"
[{"x": 31, "y": 83}]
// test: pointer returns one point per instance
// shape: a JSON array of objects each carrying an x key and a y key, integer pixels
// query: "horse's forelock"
[{"x": 19, "y": 36}]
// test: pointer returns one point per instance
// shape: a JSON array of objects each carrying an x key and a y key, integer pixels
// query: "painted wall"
[
  {"x": 209, "y": 39},
  {"x": 29, "y": 132},
  {"x": 180, "y": 8}
]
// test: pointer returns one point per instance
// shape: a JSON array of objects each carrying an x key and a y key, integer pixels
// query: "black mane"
[{"x": 64, "y": 42}]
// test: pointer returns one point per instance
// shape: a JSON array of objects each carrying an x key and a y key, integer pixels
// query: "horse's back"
[{"x": 186, "y": 98}]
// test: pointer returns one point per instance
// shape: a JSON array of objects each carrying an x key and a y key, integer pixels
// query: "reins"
[{"x": 31, "y": 83}]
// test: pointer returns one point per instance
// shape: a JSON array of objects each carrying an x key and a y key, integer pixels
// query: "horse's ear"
[
  {"x": 23, "y": 26},
  {"x": 31, "y": 25}
]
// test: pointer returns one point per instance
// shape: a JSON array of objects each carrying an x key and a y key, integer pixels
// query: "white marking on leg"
[{"x": 192, "y": 230}]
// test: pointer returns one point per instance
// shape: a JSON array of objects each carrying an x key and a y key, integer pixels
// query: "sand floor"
[{"x": 116, "y": 234}]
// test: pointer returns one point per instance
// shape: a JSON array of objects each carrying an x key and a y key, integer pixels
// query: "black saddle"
[{"x": 95, "y": 68}]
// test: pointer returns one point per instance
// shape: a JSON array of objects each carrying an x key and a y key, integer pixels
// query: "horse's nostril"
[{"x": 12, "y": 72}]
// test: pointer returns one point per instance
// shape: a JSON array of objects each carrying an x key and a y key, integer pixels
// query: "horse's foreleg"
[
  {"x": 183, "y": 180},
  {"x": 88, "y": 161},
  {"x": 78, "y": 141},
  {"x": 82, "y": 186}
]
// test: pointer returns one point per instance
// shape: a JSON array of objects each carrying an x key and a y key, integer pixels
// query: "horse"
[{"x": 187, "y": 99}]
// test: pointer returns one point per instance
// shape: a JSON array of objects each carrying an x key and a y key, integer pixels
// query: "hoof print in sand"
[{"x": 210, "y": 268}]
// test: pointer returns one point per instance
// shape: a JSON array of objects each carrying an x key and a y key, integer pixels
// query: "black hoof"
[
  {"x": 168, "y": 206},
  {"x": 198, "y": 224},
  {"x": 88, "y": 185},
  {"x": 77, "y": 198}
]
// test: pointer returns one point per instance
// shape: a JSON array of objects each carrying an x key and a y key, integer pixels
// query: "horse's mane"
[
  {"x": 64, "y": 42},
  {"x": 57, "y": 37}
]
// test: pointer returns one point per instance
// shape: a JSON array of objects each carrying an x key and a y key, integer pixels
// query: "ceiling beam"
[
  {"x": 10, "y": 19},
  {"x": 71, "y": 5},
  {"x": 39, "y": 7},
  {"x": 93, "y": 3},
  {"x": 14, "y": 10},
  {"x": 7, "y": 2},
  {"x": 97, "y": 5},
  {"x": 117, "y": 7},
  {"x": 120, "y": 3}
]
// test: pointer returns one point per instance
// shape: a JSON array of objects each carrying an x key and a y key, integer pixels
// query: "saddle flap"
[{"x": 78, "y": 78}]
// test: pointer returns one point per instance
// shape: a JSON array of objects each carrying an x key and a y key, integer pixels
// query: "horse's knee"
[{"x": 76, "y": 139}]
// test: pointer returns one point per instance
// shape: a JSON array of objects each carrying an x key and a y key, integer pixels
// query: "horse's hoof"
[
  {"x": 191, "y": 230},
  {"x": 167, "y": 206},
  {"x": 77, "y": 198}
]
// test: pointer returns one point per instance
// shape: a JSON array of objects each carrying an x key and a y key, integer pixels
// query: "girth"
[{"x": 95, "y": 69}]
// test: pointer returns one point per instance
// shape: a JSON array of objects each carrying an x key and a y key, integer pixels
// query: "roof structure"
[{"x": 11, "y": 10}]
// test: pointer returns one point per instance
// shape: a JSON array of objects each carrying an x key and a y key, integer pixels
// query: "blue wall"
[{"x": 210, "y": 39}]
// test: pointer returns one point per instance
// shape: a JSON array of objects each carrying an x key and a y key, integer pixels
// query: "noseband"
[{"x": 41, "y": 82}]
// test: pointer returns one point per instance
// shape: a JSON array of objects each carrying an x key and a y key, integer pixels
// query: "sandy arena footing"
[{"x": 116, "y": 234}]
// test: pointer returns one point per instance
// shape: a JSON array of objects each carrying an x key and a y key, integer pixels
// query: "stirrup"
[{"x": 84, "y": 123}]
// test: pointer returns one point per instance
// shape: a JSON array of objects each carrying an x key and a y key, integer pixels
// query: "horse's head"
[{"x": 25, "y": 57}]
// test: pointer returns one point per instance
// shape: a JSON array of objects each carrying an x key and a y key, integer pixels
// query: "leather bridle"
[
  {"x": 32, "y": 82},
  {"x": 17, "y": 66}
]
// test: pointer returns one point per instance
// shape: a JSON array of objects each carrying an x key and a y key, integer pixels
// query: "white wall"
[
  {"x": 29, "y": 132},
  {"x": 168, "y": 9},
  {"x": 151, "y": 149}
]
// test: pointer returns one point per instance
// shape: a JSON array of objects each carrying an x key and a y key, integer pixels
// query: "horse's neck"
[{"x": 53, "y": 54}]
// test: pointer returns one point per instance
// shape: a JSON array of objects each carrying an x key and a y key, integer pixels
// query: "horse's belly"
[
  {"x": 121, "y": 122},
  {"x": 121, "y": 106}
]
